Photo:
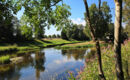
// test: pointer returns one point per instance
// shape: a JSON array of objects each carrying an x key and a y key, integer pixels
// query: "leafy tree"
[
  {"x": 45, "y": 13},
  {"x": 8, "y": 23},
  {"x": 127, "y": 30},
  {"x": 53, "y": 36},
  {"x": 26, "y": 32},
  {"x": 26, "y": 29},
  {"x": 45, "y": 36},
  {"x": 6, "y": 28},
  {"x": 74, "y": 31},
  {"x": 109, "y": 35},
  {"x": 100, "y": 21},
  {"x": 95, "y": 37},
  {"x": 38, "y": 14},
  {"x": 126, "y": 11},
  {"x": 58, "y": 36},
  {"x": 49, "y": 36},
  {"x": 63, "y": 34},
  {"x": 126, "y": 16},
  {"x": 87, "y": 32}
]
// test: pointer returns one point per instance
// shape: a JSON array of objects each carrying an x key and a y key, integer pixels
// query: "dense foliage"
[
  {"x": 126, "y": 16},
  {"x": 75, "y": 32},
  {"x": 37, "y": 15},
  {"x": 100, "y": 21},
  {"x": 6, "y": 20}
]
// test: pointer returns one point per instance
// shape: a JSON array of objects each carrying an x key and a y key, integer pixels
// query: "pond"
[{"x": 46, "y": 64}]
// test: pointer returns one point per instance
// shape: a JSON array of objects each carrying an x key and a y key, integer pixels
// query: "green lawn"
[
  {"x": 28, "y": 46},
  {"x": 85, "y": 44},
  {"x": 36, "y": 44}
]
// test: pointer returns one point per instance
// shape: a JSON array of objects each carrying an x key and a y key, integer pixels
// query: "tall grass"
[{"x": 90, "y": 72}]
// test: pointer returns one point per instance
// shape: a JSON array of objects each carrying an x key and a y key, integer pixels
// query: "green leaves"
[
  {"x": 61, "y": 15},
  {"x": 100, "y": 20},
  {"x": 126, "y": 11},
  {"x": 38, "y": 14}
]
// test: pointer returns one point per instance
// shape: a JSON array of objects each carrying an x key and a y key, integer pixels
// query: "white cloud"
[
  {"x": 79, "y": 21},
  {"x": 65, "y": 60}
]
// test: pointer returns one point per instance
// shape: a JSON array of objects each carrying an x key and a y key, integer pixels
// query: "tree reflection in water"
[
  {"x": 79, "y": 54},
  {"x": 12, "y": 71},
  {"x": 39, "y": 64},
  {"x": 33, "y": 64}
]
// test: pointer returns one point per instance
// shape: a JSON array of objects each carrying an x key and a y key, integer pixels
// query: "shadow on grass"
[
  {"x": 30, "y": 43},
  {"x": 46, "y": 41}
]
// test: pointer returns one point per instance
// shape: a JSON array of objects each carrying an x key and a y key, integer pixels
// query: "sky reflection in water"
[{"x": 47, "y": 64}]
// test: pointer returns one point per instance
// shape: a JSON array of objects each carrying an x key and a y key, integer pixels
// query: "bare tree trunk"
[
  {"x": 101, "y": 74},
  {"x": 117, "y": 40}
]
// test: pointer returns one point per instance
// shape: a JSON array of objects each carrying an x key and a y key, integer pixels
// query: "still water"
[{"x": 46, "y": 64}]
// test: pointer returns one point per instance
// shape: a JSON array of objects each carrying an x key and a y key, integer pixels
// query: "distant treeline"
[
  {"x": 75, "y": 32},
  {"x": 34, "y": 20},
  {"x": 52, "y": 36},
  {"x": 102, "y": 24}
]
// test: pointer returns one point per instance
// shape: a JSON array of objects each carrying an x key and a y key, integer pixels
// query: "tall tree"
[
  {"x": 6, "y": 27},
  {"x": 117, "y": 39},
  {"x": 126, "y": 16},
  {"x": 101, "y": 74},
  {"x": 75, "y": 32},
  {"x": 45, "y": 13},
  {"x": 126, "y": 11},
  {"x": 25, "y": 27},
  {"x": 100, "y": 20}
]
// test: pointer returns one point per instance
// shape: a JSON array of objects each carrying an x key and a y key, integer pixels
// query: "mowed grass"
[
  {"x": 35, "y": 44},
  {"x": 28, "y": 46},
  {"x": 87, "y": 44}
]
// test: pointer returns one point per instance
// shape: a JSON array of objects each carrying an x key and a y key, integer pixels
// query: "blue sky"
[{"x": 77, "y": 12}]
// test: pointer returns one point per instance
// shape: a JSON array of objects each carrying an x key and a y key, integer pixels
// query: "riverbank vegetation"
[
  {"x": 84, "y": 44},
  {"x": 35, "y": 44},
  {"x": 27, "y": 33},
  {"x": 4, "y": 59},
  {"x": 29, "y": 46},
  {"x": 90, "y": 71}
]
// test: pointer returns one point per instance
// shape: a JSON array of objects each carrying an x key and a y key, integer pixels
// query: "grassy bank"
[
  {"x": 4, "y": 59},
  {"x": 29, "y": 45},
  {"x": 87, "y": 44},
  {"x": 90, "y": 72}
]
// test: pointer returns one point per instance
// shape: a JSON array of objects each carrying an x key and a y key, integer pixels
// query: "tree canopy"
[
  {"x": 100, "y": 21},
  {"x": 37, "y": 15},
  {"x": 126, "y": 16}
]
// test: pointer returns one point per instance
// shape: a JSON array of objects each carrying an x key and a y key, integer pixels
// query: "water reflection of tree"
[
  {"x": 39, "y": 63},
  {"x": 77, "y": 54},
  {"x": 9, "y": 72},
  {"x": 12, "y": 71}
]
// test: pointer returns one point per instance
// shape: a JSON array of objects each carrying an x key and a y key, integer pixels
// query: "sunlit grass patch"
[
  {"x": 8, "y": 48},
  {"x": 35, "y": 44},
  {"x": 4, "y": 59},
  {"x": 88, "y": 44}
]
